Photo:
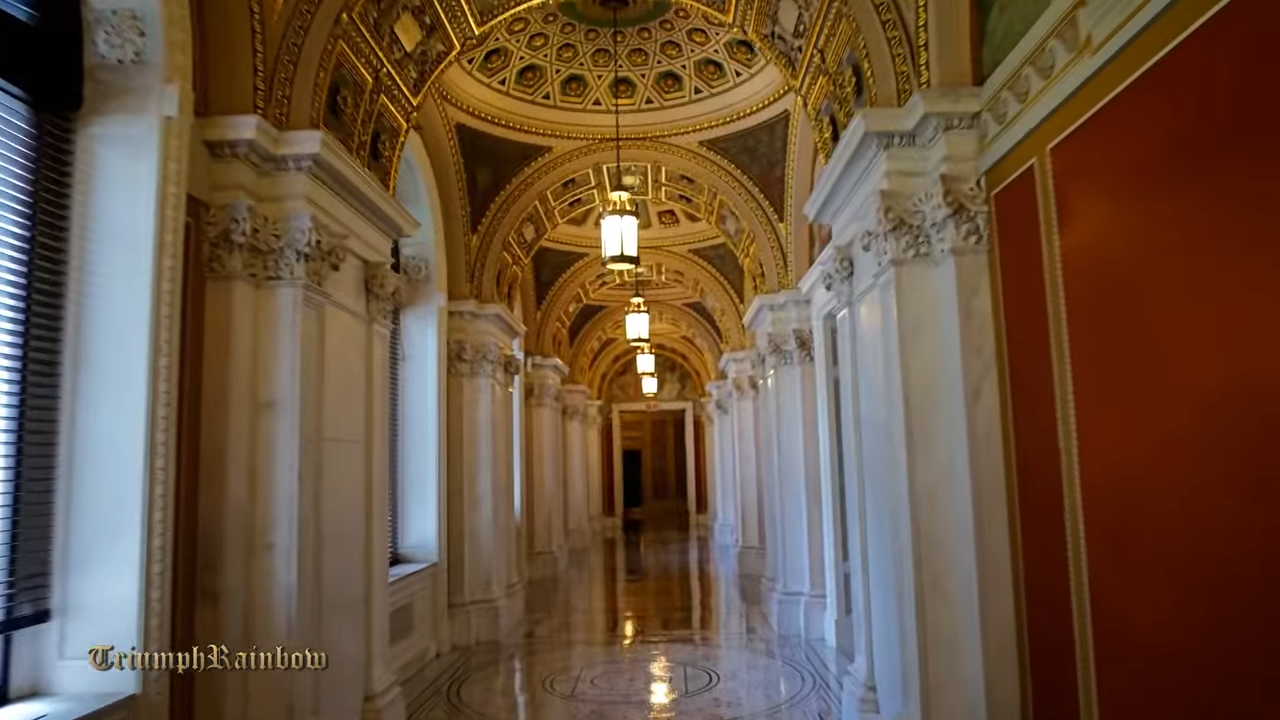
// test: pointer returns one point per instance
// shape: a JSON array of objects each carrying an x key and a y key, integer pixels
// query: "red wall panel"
[
  {"x": 1045, "y": 575},
  {"x": 1170, "y": 265}
]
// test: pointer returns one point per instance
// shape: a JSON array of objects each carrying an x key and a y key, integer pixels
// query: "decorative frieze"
[
  {"x": 1035, "y": 74},
  {"x": 241, "y": 241},
  {"x": 119, "y": 37},
  {"x": 477, "y": 359}
]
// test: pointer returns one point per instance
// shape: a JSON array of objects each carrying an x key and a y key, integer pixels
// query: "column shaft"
[{"x": 546, "y": 511}]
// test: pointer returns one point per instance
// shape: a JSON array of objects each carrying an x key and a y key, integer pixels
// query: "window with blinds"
[
  {"x": 395, "y": 405},
  {"x": 35, "y": 181}
]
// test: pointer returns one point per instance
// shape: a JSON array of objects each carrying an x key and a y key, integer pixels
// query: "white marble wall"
[
  {"x": 796, "y": 600},
  {"x": 743, "y": 446},
  {"x": 483, "y": 603},
  {"x": 294, "y": 426},
  {"x": 908, "y": 257},
  {"x": 595, "y": 466},
  {"x": 577, "y": 526},
  {"x": 724, "y": 465},
  {"x": 546, "y": 476}
]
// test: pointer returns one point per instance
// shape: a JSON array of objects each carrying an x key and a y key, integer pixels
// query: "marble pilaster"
[
  {"x": 595, "y": 466},
  {"x": 574, "y": 412},
  {"x": 740, "y": 368},
  {"x": 481, "y": 493},
  {"x": 788, "y": 398},
  {"x": 707, "y": 415},
  {"x": 726, "y": 482},
  {"x": 546, "y": 510},
  {"x": 908, "y": 256}
]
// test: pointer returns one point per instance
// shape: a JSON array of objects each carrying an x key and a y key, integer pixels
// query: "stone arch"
[
  {"x": 667, "y": 322},
  {"x": 620, "y": 359},
  {"x": 578, "y": 286},
  {"x": 500, "y": 224}
]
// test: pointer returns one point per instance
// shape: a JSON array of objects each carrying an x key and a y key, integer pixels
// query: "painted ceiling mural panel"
[
  {"x": 725, "y": 261},
  {"x": 701, "y": 311},
  {"x": 1004, "y": 23},
  {"x": 562, "y": 56},
  {"x": 412, "y": 38},
  {"x": 548, "y": 265},
  {"x": 761, "y": 153},
  {"x": 676, "y": 383},
  {"x": 490, "y": 163},
  {"x": 585, "y": 314}
]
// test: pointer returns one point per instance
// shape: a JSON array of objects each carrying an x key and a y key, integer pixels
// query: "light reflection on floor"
[{"x": 643, "y": 626}]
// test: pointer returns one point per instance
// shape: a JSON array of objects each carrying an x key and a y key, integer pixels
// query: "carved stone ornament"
[
  {"x": 512, "y": 364},
  {"x": 575, "y": 412},
  {"x": 839, "y": 277},
  {"x": 743, "y": 387},
  {"x": 789, "y": 347},
  {"x": 953, "y": 218},
  {"x": 243, "y": 242},
  {"x": 476, "y": 359},
  {"x": 414, "y": 270},
  {"x": 722, "y": 406},
  {"x": 543, "y": 394},
  {"x": 384, "y": 290},
  {"x": 119, "y": 37}
]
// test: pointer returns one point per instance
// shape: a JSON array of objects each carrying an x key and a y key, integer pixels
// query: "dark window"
[{"x": 41, "y": 80}]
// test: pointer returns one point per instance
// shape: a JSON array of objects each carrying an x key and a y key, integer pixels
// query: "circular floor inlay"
[
  {"x": 730, "y": 683},
  {"x": 630, "y": 682}
]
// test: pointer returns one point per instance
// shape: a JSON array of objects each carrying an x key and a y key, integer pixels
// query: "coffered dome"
[{"x": 563, "y": 57}]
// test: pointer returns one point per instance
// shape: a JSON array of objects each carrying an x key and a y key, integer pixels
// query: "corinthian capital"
[
  {"x": 789, "y": 347},
  {"x": 468, "y": 358},
  {"x": 543, "y": 394},
  {"x": 244, "y": 242},
  {"x": 838, "y": 278},
  {"x": 966, "y": 198},
  {"x": 384, "y": 291}
]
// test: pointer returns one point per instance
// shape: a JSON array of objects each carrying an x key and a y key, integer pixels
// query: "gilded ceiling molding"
[
  {"x": 286, "y": 68},
  {"x": 888, "y": 16},
  {"x": 573, "y": 289},
  {"x": 607, "y": 133},
  {"x": 259, "y": 58},
  {"x": 495, "y": 232},
  {"x": 787, "y": 233},
  {"x": 922, "y": 42}
]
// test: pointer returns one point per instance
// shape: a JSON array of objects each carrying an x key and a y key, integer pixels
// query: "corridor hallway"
[{"x": 647, "y": 625}]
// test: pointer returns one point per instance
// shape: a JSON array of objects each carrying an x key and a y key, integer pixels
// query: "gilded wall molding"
[
  {"x": 258, "y": 31},
  {"x": 287, "y": 54}
]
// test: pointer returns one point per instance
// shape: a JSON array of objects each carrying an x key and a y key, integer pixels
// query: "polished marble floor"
[{"x": 647, "y": 625}]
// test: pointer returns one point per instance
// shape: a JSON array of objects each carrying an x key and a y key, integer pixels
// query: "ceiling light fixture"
[
  {"x": 619, "y": 223},
  {"x": 649, "y": 385},
  {"x": 646, "y": 363}
]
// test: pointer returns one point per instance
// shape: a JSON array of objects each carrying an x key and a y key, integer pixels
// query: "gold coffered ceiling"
[{"x": 514, "y": 102}]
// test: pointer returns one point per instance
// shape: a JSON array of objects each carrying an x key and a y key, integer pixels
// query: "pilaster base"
[
  {"x": 386, "y": 705},
  {"x": 796, "y": 614},
  {"x": 543, "y": 565},
  {"x": 726, "y": 534},
  {"x": 858, "y": 699},
  {"x": 751, "y": 561},
  {"x": 485, "y": 621}
]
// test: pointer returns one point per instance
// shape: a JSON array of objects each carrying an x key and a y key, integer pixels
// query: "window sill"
[
  {"x": 107, "y": 706},
  {"x": 401, "y": 571}
]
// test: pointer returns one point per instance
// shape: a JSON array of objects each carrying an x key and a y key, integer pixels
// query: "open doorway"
[{"x": 632, "y": 481}]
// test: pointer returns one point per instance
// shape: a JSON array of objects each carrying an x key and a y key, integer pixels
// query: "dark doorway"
[{"x": 632, "y": 479}]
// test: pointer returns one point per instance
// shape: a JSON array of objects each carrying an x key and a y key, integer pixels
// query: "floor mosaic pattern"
[{"x": 644, "y": 626}]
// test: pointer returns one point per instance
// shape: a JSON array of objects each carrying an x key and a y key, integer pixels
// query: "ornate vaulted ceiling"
[{"x": 727, "y": 107}]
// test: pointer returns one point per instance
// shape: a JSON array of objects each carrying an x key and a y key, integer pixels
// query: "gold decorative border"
[
  {"x": 459, "y": 179},
  {"x": 376, "y": 45},
  {"x": 259, "y": 58},
  {"x": 864, "y": 58},
  {"x": 385, "y": 107},
  {"x": 898, "y": 47},
  {"x": 286, "y": 67},
  {"x": 607, "y": 133},
  {"x": 922, "y": 42},
  {"x": 1067, "y": 439},
  {"x": 788, "y": 206}
]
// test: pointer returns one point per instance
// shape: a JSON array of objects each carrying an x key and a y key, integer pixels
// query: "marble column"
[
  {"x": 595, "y": 466},
  {"x": 910, "y": 236},
  {"x": 740, "y": 368},
  {"x": 481, "y": 494},
  {"x": 707, "y": 414},
  {"x": 577, "y": 526},
  {"x": 784, "y": 336},
  {"x": 726, "y": 483},
  {"x": 546, "y": 477}
]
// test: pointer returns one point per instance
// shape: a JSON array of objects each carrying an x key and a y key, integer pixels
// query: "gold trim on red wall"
[{"x": 1074, "y": 512}]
